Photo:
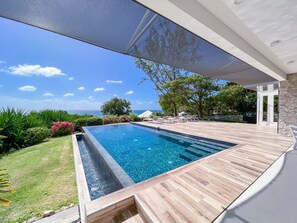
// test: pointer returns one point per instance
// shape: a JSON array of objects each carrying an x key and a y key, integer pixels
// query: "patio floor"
[{"x": 199, "y": 191}]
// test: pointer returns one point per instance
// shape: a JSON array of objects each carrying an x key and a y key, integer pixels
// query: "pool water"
[{"x": 145, "y": 152}]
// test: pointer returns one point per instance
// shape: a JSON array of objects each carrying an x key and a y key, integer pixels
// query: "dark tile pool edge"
[
  {"x": 81, "y": 181},
  {"x": 123, "y": 178},
  {"x": 184, "y": 134}
]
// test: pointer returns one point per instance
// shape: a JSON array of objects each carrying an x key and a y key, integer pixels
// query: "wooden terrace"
[{"x": 201, "y": 190}]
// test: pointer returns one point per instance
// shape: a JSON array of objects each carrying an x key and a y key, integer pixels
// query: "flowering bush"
[
  {"x": 111, "y": 119},
  {"x": 124, "y": 118},
  {"x": 62, "y": 128}
]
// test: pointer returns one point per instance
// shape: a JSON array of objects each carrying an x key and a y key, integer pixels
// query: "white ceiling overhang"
[
  {"x": 244, "y": 28},
  {"x": 127, "y": 27}
]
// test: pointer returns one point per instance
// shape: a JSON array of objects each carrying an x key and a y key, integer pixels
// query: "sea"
[{"x": 99, "y": 113}]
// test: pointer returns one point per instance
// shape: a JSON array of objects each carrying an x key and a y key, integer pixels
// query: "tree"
[
  {"x": 235, "y": 99},
  {"x": 199, "y": 90},
  {"x": 190, "y": 92},
  {"x": 176, "y": 97},
  {"x": 116, "y": 106},
  {"x": 170, "y": 44},
  {"x": 160, "y": 75}
]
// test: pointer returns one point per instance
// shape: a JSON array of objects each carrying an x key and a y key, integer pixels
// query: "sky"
[{"x": 43, "y": 70}]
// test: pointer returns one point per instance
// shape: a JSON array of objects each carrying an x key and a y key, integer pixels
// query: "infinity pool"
[{"x": 144, "y": 152}]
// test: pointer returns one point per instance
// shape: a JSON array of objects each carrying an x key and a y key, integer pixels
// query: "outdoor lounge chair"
[
  {"x": 182, "y": 119},
  {"x": 192, "y": 118},
  {"x": 172, "y": 120},
  {"x": 159, "y": 120},
  {"x": 148, "y": 119}
]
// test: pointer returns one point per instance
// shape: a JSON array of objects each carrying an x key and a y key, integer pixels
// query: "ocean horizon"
[{"x": 99, "y": 113}]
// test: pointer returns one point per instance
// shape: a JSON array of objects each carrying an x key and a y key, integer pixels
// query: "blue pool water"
[{"x": 144, "y": 152}]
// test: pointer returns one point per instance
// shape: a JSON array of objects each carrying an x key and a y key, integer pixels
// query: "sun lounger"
[
  {"x": 182, "y": 119},
  {"x": 148, "y": 119},
  {"x": 159, "y": 120},
  {"x": 192, "y": 118}
]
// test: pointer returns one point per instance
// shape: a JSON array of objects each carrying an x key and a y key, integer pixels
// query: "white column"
[
  {"x": 259, "y": 105},
  {"x": 270, "y": 105},
  {"x": 270, "y": 109},
  {"x": 259, "y": 109}
]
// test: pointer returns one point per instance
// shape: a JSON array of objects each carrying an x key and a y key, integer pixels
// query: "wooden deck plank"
[{"x": 201, "y": 190}]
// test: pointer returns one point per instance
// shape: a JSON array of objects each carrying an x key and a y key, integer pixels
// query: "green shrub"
[
  {"x": 51, "y": 116},
  {"x": 12, "y": 122},
  {"x": 36, "y": 135},
  {"x": 158, "y": 114},
  {"x": 33, "y": 119},
  {"x": 111, "y": 119},
  {"x": 48, "y": 117},
  {"x": 62, "y": 128},
  {"x": 89, "y": 121},
  {"x": 15, "y": 122},
  {"x": 134, "y": 118},
  {"x": 1, "y": 140}
]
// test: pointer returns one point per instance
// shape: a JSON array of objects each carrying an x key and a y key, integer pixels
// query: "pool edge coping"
[
  {"x": 230, "y": 144},
  {"x": 124, "y": 179},
  {"x": 81, "y": 181}
]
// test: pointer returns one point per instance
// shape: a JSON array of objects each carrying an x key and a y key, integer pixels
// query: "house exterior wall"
[{"x": 287, "y": 104}]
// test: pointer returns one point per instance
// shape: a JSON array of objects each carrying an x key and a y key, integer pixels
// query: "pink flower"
[{"x": 62, "y": 128}]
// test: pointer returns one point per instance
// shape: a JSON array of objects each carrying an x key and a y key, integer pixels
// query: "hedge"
[{"x": 36, "y": 135}]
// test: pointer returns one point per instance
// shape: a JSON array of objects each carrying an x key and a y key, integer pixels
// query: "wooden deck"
[{"x": 200, "y": 191}]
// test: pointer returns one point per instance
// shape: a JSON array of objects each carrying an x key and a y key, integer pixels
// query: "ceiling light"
[
  {"x": 274, "y": 43},
  {"x": 290, "y": 62},
  {"x": 238, "y": 1}
]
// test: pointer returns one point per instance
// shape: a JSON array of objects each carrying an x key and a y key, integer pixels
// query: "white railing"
[{"x": 293, "y": 129}]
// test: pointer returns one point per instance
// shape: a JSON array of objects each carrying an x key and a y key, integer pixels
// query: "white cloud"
[
  {"x": 71, "y": 78},
  {"x": 2, "y": 61},
  {"x": 81, "y": 88},
  {"x": 114, "y": 82},
  {"x": 30, "y": 70},
  {"x": 115, "y": 95},
  {"x": 99, "y": 89},
  {"x": 48, "y": 94},
  {"x": 28, "y": 88},
  {"x": 129, "y": 92},
  {"x": 68, "y": 95},
  {"x": 52, "y": 103},
  {"x": 91, "y": 98}
]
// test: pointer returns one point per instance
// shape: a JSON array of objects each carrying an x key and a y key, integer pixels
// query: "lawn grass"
[{"x": 43, "y": 177}]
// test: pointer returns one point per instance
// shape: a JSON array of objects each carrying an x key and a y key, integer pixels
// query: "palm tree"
[{"x": 1, "y": 137}]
